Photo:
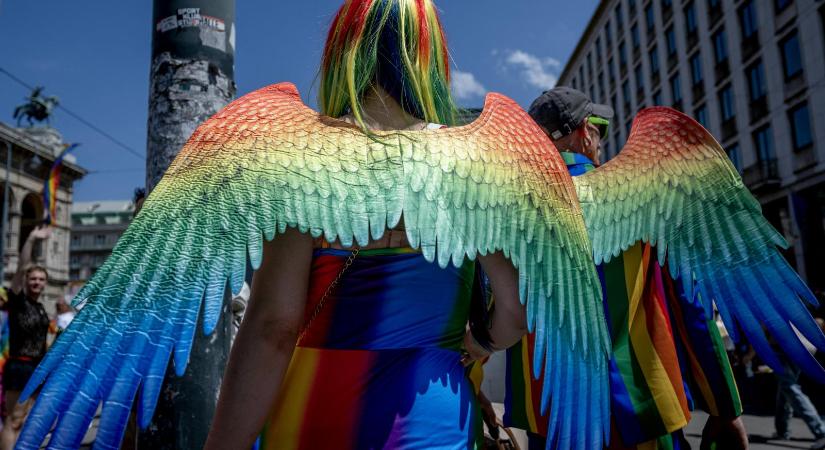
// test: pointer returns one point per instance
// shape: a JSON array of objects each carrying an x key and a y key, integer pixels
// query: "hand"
[
  {"x": 41, "y": 232},
  {"x": 725, "y": 433},
  {"x": 473, "y": 351}
]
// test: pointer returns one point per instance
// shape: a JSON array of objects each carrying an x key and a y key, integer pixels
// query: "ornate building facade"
[{"x": 33, "y": 151}]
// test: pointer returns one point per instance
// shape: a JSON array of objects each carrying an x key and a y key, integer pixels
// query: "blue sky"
[{"x": 95, "y": 57}]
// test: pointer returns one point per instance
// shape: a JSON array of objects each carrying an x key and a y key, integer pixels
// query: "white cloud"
[
  {"x": 537, "y": 72},
  {"x": 465, "y": 86}
]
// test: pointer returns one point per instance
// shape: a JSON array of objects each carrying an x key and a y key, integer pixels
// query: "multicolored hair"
[{"x": 398, "y": 45}]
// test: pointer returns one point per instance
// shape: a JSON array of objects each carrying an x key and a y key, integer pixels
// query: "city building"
[
  {"x": 96, "y": 228},
  {"x": 751, "y": 71},
  {"x": 33, "y": 151}
]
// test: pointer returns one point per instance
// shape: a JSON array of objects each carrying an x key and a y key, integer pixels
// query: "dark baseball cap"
[{"x": 562, "y": 110}]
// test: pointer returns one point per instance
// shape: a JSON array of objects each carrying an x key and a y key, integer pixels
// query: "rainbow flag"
[{"x": 53, "y": 182}]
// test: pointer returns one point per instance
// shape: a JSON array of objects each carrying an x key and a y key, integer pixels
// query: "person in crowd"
[
  {"x": 647, "y": 411},
  {"x": 791, "y": 399},
  {"x": 28, "y": 333}
]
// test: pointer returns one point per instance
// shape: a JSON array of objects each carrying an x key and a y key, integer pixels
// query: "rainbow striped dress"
[
  {"x": 379, "y": 366},
  {"x": 664, "y": 350}
]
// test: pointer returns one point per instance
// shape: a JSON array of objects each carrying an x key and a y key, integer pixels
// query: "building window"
[
  {"x": 627, "y": 126},
  {"x": 611, "y": 71},
  {"x": 696, "y": 69},
  {"x": 601, "y": 85},
  {"x": 701, "y": 115},
  {"x": 657, "y": 98},
  {"x": 733, "y": 155},
  {"x": 634, "y": 37},
  {"x": 780, "y": 5},
  {"x": 727, "y": 107},
  {"x": 640, "y": 80},
  {"x": 801, "y": 127},
  {"x": 653, "y": 56},
  {"x": 650, "y": 18},
  {"x": 763, "y": 141},
  {"x": 100, "y": 239},
  {"x": 747, "y": 19},
  {"x": 714, "y": 4},
  {"x": 590, "y": 66},
  {"x": 631, "y": 5},
  {"x": 608, "y": 35},
  {"x": 690, "y": 18},
  {"x": 670, "y": 36},
  {"x": 756, "y": 81},
  {"x": 598, "y": 50},
  {"x": 622, "y": 55},
  {"x": 581, "y": 75},
  {"x": 619, "y": 19},
  {"x": 626, "y": 94},
  {"x": 676, "y": 88},
  {"x": 720, "y": 46},
  {"x": 791, "y": 56}
]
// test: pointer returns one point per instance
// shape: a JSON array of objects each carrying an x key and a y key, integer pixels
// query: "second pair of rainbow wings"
[{"x": 267, "y": 162}]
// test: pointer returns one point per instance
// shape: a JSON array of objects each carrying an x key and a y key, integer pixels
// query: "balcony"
[
  {"x": 762, "y": 175},
  {"x": 785, "y": 18},
  {"x": 714, "y": 15},
  {"x": 698, "y": 91},
  {"x": 729, "y": 128},
  {"x": 750, "y": 46},
  {"x": 667, "y": 13},
  {"x": 692, "y": 40},
  {"x": 721, "y": 70},
  {"x": 804, "y": 159},
  {"x": 672, "y": 61},
  {"x": 758, "y": 108},
  {"x": 794, "y": 86}
]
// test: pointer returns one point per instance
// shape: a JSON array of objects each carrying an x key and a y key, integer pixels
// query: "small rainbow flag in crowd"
[{"x": 53, "y": 182}]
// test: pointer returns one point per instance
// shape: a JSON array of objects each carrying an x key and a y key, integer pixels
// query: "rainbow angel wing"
[
  {"x": 673, "y": 186},
  {"x": 267, "y": 162}
]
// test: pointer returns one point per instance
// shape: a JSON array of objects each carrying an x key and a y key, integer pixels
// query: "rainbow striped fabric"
[
  {"x": 379, "y": 365},
  {"x": 663, "y": 345},
  {"x": 53, "y": 183}
]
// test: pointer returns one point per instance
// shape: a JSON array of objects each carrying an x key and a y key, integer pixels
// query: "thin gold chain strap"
[{"x": 320, "y": 305}]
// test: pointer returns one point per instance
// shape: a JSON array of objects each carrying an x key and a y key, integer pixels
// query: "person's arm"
[
  {"x": 508, "y": 320},
  {"x": 265, "y": 342},
  {"x": 38, "y": 234}
]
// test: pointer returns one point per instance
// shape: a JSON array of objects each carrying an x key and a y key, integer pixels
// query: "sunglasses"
[{"x": 602, "y": 124}]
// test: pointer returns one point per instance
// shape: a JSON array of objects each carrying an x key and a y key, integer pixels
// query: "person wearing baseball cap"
[
  {"x": 574, "y": 123},
  {"x": 640, "y": 416}
]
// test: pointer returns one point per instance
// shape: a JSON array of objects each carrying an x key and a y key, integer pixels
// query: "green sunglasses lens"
[{"x": 601, "y": 124}]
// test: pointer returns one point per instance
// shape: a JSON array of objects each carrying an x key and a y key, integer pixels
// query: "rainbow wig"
[{"x": 398, "y": 45}]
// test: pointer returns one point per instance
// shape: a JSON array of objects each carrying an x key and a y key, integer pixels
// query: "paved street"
[{"x": 760, "y": 429}]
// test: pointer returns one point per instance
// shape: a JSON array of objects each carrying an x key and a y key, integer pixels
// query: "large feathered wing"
[
  {"x": 673, "y": 186},
  {"x": 267, "y": 162}
]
